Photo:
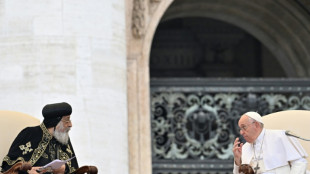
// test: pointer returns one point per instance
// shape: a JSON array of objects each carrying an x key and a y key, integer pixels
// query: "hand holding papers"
[{"x": 56, "y": 164}]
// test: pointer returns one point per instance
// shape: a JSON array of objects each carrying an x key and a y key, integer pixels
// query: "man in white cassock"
[{"x": 267, "y": 151}]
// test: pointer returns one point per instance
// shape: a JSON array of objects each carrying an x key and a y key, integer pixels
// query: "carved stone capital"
[{"x": 138, "y": 18}]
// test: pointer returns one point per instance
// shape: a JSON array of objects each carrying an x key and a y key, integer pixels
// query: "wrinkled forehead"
[{"x": 244, "y": 119}]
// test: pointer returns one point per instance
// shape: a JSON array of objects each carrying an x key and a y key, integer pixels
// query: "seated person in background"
[
  {"x": 267, "y": 151},
  {"x": 46, "y": 142}
]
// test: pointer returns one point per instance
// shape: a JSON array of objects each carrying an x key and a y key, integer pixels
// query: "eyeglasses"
[{"x": 244, "y": 128}]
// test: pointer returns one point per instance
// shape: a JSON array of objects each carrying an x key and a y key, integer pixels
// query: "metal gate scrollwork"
[{"x": 194, "y": 122}]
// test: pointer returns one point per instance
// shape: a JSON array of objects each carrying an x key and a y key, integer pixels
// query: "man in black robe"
[{"x": 42, "y": 144}]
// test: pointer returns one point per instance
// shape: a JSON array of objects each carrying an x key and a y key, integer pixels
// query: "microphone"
[{"x": 288, "y": 133}]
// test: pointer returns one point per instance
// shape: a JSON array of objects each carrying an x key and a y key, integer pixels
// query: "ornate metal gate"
[{"x": 195, "y": 121}]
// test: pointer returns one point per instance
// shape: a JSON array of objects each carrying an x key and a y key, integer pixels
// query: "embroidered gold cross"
[
  {"x": 26, "y": 148},
  {"x": 69, "y": 150}
]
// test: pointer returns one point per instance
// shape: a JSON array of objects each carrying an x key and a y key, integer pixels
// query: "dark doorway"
[{"x": 204, "y": 47}]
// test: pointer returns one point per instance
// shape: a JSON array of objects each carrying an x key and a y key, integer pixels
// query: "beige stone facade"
[
  {"x": 95, "y": 55},
  {"x": 286, "y": 37},
  {"x": 142, "y": 19}
]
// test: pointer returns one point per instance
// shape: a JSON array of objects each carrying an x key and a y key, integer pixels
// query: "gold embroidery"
[
  {"x": 69, "y": 150},
  {"x": 72, "y": 169},
  {"x": 52, "y": 150},
  {"x": 40, "y": 151},
  {"x": 11, "y": 162},
  {"x": 42, "y": 145},
  {"x": 65, "y": 156},
  {"x": 26, "y": 148},
  {"x": 44, "y": 155}
]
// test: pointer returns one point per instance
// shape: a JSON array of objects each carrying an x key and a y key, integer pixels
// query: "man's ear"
[{"x": 256, "y": 124}]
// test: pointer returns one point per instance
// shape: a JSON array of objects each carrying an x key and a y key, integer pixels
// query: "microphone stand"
[{"x": 288, "y": 133}]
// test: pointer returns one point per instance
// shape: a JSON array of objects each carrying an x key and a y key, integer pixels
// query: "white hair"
[{"x": 61, "y": 133}]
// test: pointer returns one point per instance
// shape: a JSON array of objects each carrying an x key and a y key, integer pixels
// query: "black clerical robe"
[{"x": 38, "y": 147}]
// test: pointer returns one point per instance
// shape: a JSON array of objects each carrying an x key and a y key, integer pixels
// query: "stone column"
[{"x": 142, "y": 19}]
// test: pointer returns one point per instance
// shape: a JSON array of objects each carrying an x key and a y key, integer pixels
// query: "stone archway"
[
  {"x": 143, "y": 25},
  {"x": 277, "y": 34},
  {"x": 282, "y": 26}
]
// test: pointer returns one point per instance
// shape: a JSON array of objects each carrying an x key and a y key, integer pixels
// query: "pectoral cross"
[{"x": 256, "y": 168}]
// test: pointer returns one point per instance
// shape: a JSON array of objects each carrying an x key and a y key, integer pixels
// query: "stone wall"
[{"x": 73, "y": 51}]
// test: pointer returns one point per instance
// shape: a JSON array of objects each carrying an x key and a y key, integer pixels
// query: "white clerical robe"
[{"x": 274, "y": 150}]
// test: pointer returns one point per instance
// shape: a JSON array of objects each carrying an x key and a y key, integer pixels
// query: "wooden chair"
[
  {"x": 296, "y": 121},
  {"x": 246, "y": 169},
  {"x": 20, "y": 166},
  {"x": 11, "y": 123},
  {"x": 87, "y": 169}
]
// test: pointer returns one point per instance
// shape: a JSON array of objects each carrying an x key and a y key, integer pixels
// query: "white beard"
[{"x": 62, "y": 136}]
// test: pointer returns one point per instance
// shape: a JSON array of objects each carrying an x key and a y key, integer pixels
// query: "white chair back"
[
  {"x": 296, "y": 121},
  {"x": 11, "y": 123}
]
